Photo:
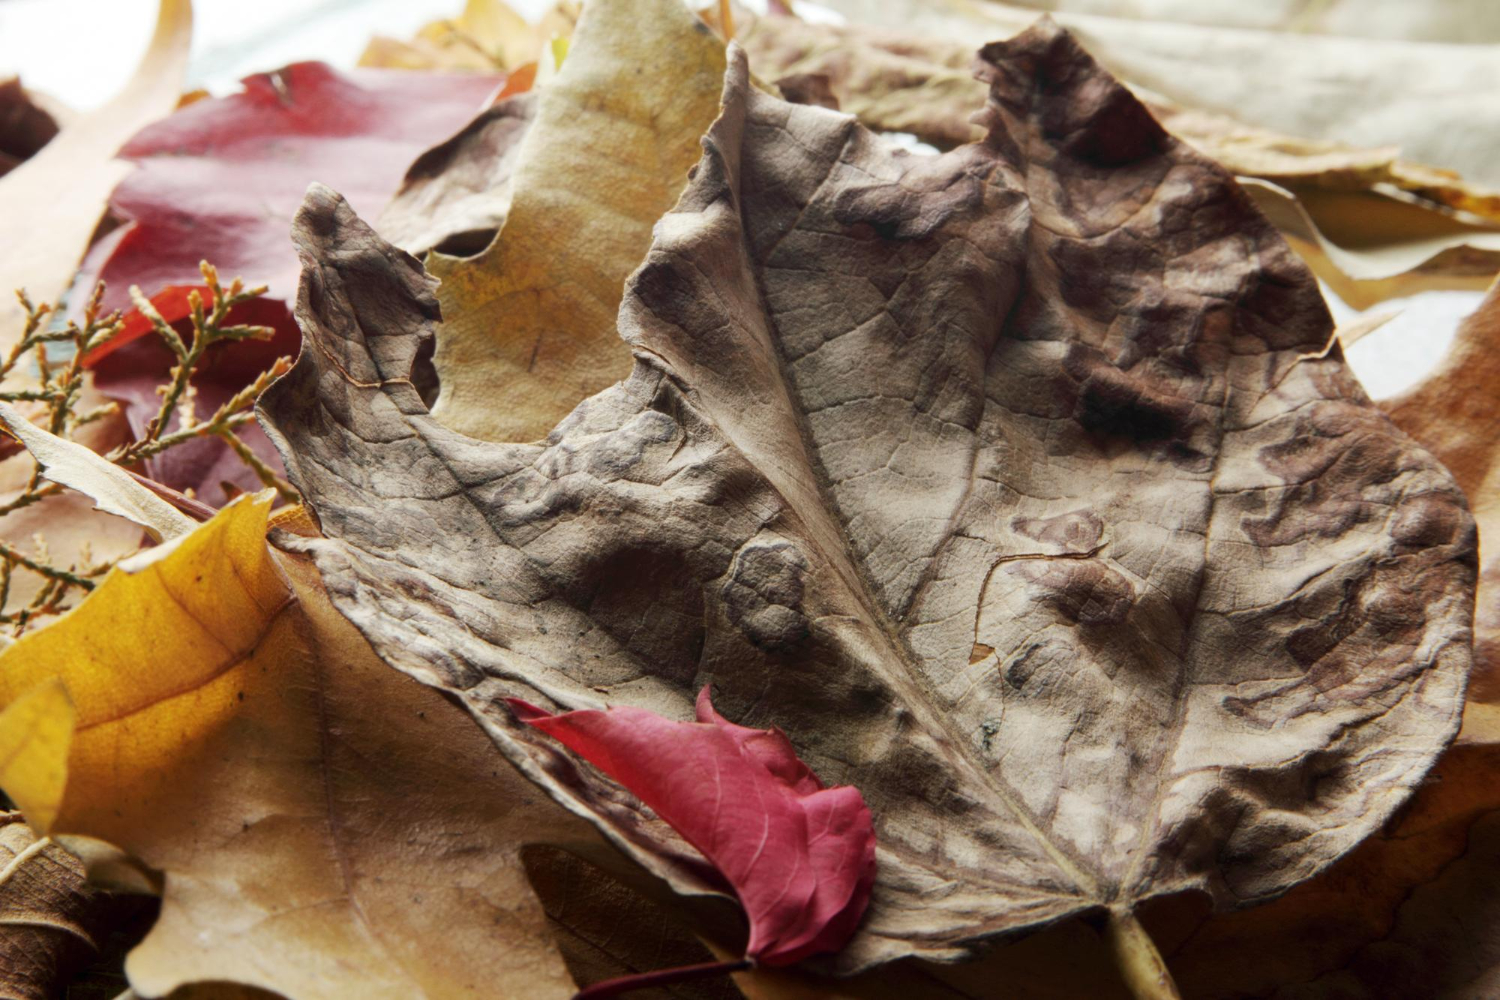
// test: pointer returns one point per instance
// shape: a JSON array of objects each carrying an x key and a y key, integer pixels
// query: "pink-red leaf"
[
  {"x": 800, "y": 856},
  {"x": 220, "y": 180}
]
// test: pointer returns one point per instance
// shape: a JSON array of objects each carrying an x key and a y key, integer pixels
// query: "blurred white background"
[{"x": 81, "y": 51}]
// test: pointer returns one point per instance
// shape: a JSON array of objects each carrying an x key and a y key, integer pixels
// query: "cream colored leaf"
[
  {"x": 110, "y": 487},
  {"x": 1433, "y": 99},
  {"x": 530, "y": 321},
  {"x": 50, "y": 204}
]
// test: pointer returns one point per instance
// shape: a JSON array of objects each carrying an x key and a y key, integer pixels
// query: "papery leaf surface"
[
  {"x": 1021, "y": 486},
  {"x": 325, "y": 826},
  {"x": 529, "y": 322}
]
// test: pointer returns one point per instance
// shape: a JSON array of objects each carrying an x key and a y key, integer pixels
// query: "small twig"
[
  {"x": 58, "y": 385},
  {"x": 10, "y": 552}
]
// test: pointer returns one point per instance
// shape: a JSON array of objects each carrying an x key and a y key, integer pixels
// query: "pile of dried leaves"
[{"x": 707, "y": 545}]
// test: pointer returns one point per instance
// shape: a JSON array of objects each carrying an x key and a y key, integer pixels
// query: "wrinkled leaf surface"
[{"x": 1020, "y": 486}]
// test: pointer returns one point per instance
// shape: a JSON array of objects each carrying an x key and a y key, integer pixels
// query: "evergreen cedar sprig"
[{"x": 58, "y": 385}]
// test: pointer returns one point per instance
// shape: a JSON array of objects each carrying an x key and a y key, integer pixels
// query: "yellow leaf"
[
  {"x": 35, "y": 733},
  {"x": 327, "y": 827},
  {"x": 531, "y": 320},
  {"x": 50, "y": 204}
]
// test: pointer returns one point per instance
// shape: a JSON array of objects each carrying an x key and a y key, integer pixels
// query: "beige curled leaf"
[
  {"x": 1016, "y": 484},
  {"x": 1370, "y": 247},
  {"x": 455, "y": 197},
  {"x": 529, "y": 323},
  {"x": 1430, "y": 98},
  {"x": 110, "y": 487}
]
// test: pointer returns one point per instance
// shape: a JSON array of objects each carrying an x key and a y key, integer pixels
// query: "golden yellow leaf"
[
  {"x": 531, "y": 320},
  {"x": 327, "y": 827},
  {"x": 50, "y": 204},
  {"x": 35, "y": 733}
]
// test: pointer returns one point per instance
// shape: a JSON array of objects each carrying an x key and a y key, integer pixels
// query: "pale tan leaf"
[
  {"x": 326, "y": 826},
  {"x": 529, "y": 327},
  {"x": 50, "y": 205},
  {"x": 112, "y": 489}
]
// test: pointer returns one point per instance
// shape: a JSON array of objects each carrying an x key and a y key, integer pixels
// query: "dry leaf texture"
[
  {"x": 530, "y": 328},
  {"x": 1020, "y": 486},
  {"x": 50, "y": 919},
  {"x": 327, "y": 828}
]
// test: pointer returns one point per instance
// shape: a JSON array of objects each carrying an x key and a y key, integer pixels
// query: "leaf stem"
[
  {"x": 1141, "y": 965},
  {"x": 661, "y": 977}
]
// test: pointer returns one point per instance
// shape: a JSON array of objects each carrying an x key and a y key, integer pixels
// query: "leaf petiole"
[{"x": 1136, "y": 956}]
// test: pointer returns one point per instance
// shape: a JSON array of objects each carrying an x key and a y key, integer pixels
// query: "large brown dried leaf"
[
  {"x": 1020, "y": 486},
  {"x": 1412, "y": 912}
]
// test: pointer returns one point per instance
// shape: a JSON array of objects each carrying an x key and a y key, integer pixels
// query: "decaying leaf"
[
  {"x": 1411, "y": 912},
  {"x": 455, "y": 196},
  {"x": 1018, "y": 485},
  {"x": 50, "y": 205},
  {"x": 529, "y": 325},
  {"x": 801, "y": 856},
  {"x": 50, "y": 919},
  {"x": 892, "y": 81},
  {"x": 327, "y": 828}
]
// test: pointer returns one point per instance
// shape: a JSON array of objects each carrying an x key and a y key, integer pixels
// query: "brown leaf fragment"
[
  {"x": 1063, "y": 394},
  {"x": 606, "y": 930},
  {"x": 1455, "y": 413},
  {"x": 892, "y": 81},
  {"x": 50, "y": 918}
]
